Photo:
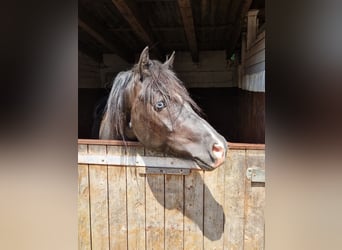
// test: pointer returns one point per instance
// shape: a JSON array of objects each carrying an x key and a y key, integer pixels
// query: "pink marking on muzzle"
[{"x": 219, "y": 153}]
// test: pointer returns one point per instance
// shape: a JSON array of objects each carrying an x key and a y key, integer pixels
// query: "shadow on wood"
[{"x": 189, "y": 204}]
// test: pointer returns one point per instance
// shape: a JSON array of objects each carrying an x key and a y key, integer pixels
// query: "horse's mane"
[
  {"x": 164, "y": 82},
  {"x": 116, "y": 105}
]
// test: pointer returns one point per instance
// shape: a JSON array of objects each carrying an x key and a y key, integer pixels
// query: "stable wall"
[{"x": 212, "y": 70}]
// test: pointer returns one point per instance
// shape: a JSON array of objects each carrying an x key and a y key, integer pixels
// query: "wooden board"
[
  {"x": 98, "y": 201},
  {"x": 117, "y": 202},
  {"x": 154, "y": 209},
  {"x": 255, "y": 202},
  {"x": 213, "y": 213},
  {"x": 135, "y": 204},
  {"x": 122, "y": 207},
  {"x": 193, "y": 211},
  {"x": 174, "y": 212},
  {"x": 234, "y": 194},
  {"x": 84, "y": 239}
]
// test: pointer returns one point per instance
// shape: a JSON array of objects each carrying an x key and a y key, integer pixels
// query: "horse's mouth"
[{"x": 203, "y": 165}]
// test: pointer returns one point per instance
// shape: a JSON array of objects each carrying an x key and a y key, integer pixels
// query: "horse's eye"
[{"x": 159, "y": 105}]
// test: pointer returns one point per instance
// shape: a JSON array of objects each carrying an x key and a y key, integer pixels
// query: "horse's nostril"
[
  {"x": 217, "y": 149},
  {"x": 218, "y": 152}
]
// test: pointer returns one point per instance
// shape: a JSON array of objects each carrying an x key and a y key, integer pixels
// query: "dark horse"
[{"x": 150, "y": 104}]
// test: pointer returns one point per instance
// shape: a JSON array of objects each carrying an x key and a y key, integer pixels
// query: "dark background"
[{"x": 236, "y": 114}]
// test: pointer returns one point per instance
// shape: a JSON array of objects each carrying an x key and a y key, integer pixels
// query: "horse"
[{"x": 148, "y": 103}]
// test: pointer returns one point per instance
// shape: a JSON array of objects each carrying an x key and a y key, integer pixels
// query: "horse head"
[{"x": 150, "y": 104}]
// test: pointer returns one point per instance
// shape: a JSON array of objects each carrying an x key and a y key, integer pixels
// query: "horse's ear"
[
  {"x": 144, "y": 60},
  {"x": 169, "y": 62}
]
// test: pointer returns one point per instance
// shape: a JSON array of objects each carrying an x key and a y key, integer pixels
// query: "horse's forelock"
[{"x": 165, "y": 82}]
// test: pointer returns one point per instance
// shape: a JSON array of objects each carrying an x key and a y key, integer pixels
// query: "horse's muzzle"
[{"x": 219, "y": 153}]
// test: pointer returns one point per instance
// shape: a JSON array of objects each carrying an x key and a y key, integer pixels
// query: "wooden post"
[
  {"x": 252, "y": 26},
  {"x": 243, "y": 58}
]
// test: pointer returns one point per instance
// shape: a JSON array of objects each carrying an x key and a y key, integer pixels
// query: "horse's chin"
[{"x": 203, "y": 165}]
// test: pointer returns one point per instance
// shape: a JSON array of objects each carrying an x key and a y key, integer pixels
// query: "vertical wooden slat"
[
  {"x": 234, "y": 200},
  {"x": 84, "y": 240},
  {"x": 154, "y": 208},
  {"x": 193, "y": 211},
  {"x": 213, "y": 208},
  {"x": 255, "y": 203},
  {"x": 84, "y": 233},
  {"x": 135, "y": 203},
  {"x": 117, "y": 201},
  {"x": 174, "y": 204},
  {"x": 98, "y": 201}
]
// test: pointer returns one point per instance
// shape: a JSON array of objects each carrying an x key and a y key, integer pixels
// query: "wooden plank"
[
  {"x": 234, "y": 197},
  {"x": 189, "y": 27},
  {"x": 84, "y": 239},
  {"x": 214, "y": 216},
  {"x": 254, "y": 236},
  {"x": 205, "y": 76},
  {"x": 98, "y": 201},
  {"x": 174, "y": 206},
  {"x": 257, "y": 47},
  {"x": 130, "y": 12},
  {"x": 135, "y": 204},
  {"x": 154, "y": 208},
  {"x": 193, "y": 211},
  {"x": 251, "y": 27},
  {"x": 255, "y": 59},
  {"x": 82, "y": 149},
  {"x": 235, "y": 34},
  {"x": 231, "y": 145},
  {"x": 137, "y": 160},
  {"x": 117, "y": 202},
  {"x": 256, "y": 68}
]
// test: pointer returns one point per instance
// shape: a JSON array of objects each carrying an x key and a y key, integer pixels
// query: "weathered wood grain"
[
  {"x": 189, "y": 27},
  {"x": 135, "y": 204},
  {"x": 154, "y": 208},
  {"x": 117, "y": 202},
  {"x": 214, "y": 216},
  {"x": 174, "y": 206},
  {"x": 98, "y": 201},
  {"x": 234, "y": 199},
  {"x": 120, "y": 208},
  {"x": 193, "y": 211},
  {"x": 84, "y": 239},
  {"x": 255, "y": 202}
]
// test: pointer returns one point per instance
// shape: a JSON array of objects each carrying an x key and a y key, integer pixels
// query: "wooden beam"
[
  {"x": 130, "y": 12},
  {"x": 104, "y": 40},
  {"x": 234, "y": 37},
  {"x": 177, "y": 28},
  {"x": 231, "y": 145},
  {"x": 189, "y": 27}
]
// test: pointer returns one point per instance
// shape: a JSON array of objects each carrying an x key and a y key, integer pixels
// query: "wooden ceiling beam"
[
  {"x": 189, "y": 27},
  {"x": 130, "y": 12},
  {"x": 178, "y": 28},
  {"x": 234, "y": 37},
  {"x": 101, "y": 38}
]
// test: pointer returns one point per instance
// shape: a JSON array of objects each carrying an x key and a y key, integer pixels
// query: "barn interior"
[{"x": 220, "y": 56}]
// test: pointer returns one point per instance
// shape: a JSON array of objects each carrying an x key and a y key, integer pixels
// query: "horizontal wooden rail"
[
  {"x": 231, "y": 145},
  {"x": 137, "y": 161}
]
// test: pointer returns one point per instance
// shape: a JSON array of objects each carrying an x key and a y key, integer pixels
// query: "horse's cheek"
[{"x": 139, "y": 124}]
